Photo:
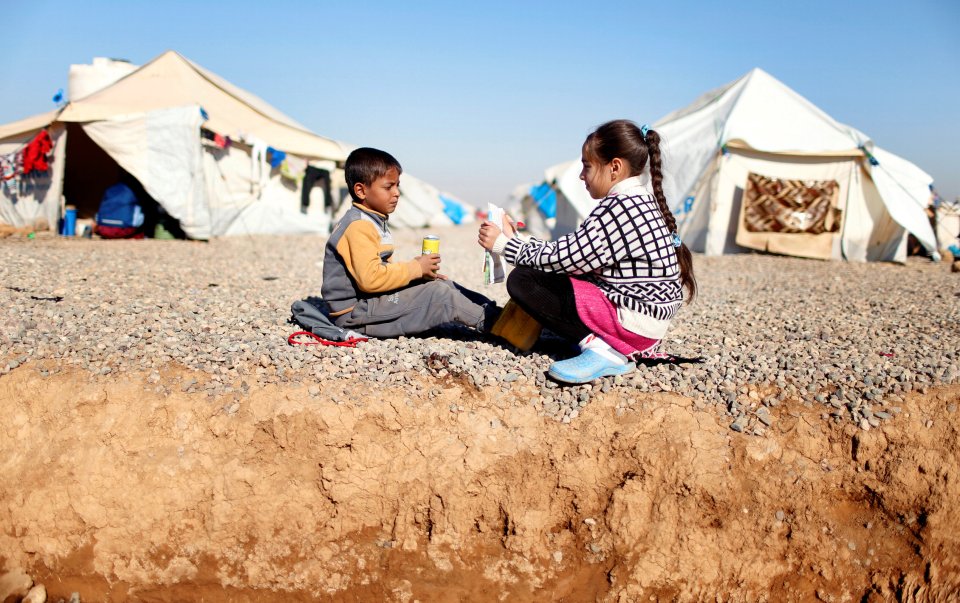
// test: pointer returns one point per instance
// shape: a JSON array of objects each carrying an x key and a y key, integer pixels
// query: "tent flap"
[{"x": 162, "y": 150}]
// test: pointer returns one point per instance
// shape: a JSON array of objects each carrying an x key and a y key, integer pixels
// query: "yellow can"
[{"x": 431, "y": 244}]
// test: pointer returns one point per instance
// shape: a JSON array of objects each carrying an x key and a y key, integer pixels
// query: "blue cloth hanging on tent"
[
  {"x": 545, "y": 199},
  {"x": 276, "y": 157},
  {"x": 454, "y": 210}
]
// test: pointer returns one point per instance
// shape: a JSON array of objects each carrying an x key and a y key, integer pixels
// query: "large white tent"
[
  {"x": 755, "y": 144},
  {"x": 148, "y": 123},
  {"x": 165, "y": 123}
]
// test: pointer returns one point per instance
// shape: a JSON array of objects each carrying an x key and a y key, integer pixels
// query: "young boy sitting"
[{"x": 370, "y": 293}]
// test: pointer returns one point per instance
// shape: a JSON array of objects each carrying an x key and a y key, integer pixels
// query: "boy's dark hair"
[{"x": 364, "y": 165}]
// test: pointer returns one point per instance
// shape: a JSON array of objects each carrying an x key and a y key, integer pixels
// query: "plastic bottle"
[{"x": 69, "y": 221}]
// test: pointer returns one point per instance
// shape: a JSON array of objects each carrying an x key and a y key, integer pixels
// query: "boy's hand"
[{"x": 429, "y": 265}]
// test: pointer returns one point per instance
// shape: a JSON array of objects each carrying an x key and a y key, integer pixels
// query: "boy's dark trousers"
[{"x": 416, "y": 309}]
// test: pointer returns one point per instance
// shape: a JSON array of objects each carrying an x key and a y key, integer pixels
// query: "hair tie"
[
  {"x": 643, "y": 131},
  {"x": 676, "y": 240}
]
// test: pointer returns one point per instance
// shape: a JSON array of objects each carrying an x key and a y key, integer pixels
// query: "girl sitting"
[{"x": 614, "y": 284}]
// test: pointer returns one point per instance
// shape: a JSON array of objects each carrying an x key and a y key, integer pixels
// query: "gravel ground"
[{"x": 851, "y": 338}]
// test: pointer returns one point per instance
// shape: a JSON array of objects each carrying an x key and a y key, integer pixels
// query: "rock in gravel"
[
  {"x": 37, "y": 594},
  {"x": 765, "y": 418},
  {"x": 14, "y": 583}
]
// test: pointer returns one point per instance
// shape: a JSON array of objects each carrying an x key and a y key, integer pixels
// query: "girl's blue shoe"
[{"x": 587, "y": 367}]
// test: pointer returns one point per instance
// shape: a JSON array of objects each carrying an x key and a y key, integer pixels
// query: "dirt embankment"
[{"x": 136, "y": 489}]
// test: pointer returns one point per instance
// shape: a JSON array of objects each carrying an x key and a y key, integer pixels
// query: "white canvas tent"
[
  {"x": 527, "y": 202},
  {"x": 423, "y": 205},
  {"x": 148, "y": 121},
  {"x": 948, "y": 226},
  {"x": 457, "y": 210},
  {"x": 758, "y": 126}
]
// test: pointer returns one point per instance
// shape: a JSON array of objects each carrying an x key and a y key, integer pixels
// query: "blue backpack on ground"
[{"x": 119, "y": 208}]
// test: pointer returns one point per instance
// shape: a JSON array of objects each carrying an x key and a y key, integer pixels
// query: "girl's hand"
[
  {"x": 509, "y": 228},
  {"x": 488, "y": 234}
]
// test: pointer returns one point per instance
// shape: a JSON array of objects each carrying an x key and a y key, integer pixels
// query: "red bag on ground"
[{"x": 118, "y": 232}]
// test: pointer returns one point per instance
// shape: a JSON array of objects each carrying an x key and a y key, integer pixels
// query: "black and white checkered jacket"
[{"x": 623, "y": 247}]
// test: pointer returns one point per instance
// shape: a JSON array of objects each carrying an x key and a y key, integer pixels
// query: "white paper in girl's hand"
[{"x": 492, "y": 262}]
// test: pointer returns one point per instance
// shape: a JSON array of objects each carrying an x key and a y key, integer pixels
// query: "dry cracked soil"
[{"x": 119, "y": 490}]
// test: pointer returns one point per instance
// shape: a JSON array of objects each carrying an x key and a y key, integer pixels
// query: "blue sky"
[{"x": 480, "y": 97}]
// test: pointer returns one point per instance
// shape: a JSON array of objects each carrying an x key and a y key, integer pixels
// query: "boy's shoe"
[
  {"x": 587, "y": 367},
  {"x": 491, "y": 312}
]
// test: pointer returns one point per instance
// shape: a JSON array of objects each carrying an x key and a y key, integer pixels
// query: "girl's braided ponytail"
[{"x": 684, "y": 257}]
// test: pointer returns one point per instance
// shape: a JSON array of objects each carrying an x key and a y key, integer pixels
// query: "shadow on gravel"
[
  {"x": 54, "y": 298},
  {"x": 549, "y": 344},
  {"x": 671, "y": 359}
]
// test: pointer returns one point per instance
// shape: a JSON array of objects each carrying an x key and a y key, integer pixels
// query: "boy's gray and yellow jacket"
[{"x": 357, "y": 261}]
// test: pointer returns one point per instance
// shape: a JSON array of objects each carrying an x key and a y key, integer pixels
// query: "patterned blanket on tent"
[{"x": 790, "y": 206}]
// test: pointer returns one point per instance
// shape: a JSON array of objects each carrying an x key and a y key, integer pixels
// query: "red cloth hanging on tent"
[{"x": 35, "y": 153}]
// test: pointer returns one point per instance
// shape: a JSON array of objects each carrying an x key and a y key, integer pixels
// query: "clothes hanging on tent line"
[
  {"x": 19, "y": 169},
  {"x": 30, "y": 159},
  {"x": 36, "y": 152},
  {"x": 10, "y": 166},
  {"x": 10, "y": 175},
  {"x": 293, "y": 168},
  {"x": 290, "y": 166},
  {"x": 21, "y": 185},
  {"x": 220, "y": 141},
  {"x": 275, "y": 157},
  {"x": 259, "y": 172},
  {"x": 313, "y": 176},
  {"x": 264, "y": 159}
]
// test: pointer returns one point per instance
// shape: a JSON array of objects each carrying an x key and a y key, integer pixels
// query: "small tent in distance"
[
  {"x": 754, "y": 165},
  {"x": 947, "y": 219}
]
